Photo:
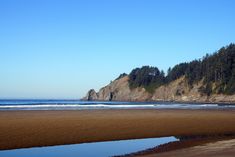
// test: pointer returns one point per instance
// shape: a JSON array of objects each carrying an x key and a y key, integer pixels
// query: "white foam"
[
  {"x": 209, "y": 105},
  {"x": 109, "y": 106},
  {"x": 76, "y": 106}
]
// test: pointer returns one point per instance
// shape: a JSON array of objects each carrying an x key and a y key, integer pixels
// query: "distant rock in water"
[
  {"x": 211, "y": 79},
  {"x": 91, "y": 95}
]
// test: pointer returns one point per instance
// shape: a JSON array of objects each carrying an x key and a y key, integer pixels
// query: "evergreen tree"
[{"x": 217, "y": 72}]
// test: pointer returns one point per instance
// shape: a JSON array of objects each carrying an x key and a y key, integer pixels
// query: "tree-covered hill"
[{"x": 216, "y": 71}]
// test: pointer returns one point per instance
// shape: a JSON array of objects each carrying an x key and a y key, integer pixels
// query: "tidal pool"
[{"x": 97, "y": 149}]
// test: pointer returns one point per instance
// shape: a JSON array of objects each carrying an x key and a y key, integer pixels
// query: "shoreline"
[
  {"x": 25, "y": 129},
  {"x": 182, "y": 144},
  {"x": 168, "y": 102},
  {"x": 219, "y": 148}
]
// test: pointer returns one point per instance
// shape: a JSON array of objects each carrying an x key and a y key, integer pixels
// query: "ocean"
[{"x": 43, "y": 104}]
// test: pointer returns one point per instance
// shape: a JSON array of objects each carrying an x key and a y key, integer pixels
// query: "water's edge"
[
  {"x": 81, "y": 105},
  {"x": 104, "y": 149}
]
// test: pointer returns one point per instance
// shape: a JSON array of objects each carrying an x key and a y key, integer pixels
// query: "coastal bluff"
[
  {"x": 118, "y": 90},
  {"x": 178, "y": 90},
  {"x": 210, "y": 79}
]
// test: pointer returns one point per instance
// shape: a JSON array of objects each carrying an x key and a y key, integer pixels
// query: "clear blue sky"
[{"x": 61, "y": 49}]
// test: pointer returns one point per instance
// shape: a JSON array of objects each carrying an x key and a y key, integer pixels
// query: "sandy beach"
[{"x": 23, "y": 129}]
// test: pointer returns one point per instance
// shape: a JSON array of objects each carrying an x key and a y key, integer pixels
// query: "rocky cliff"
[
  {"x": 209, "y": 79},
  {"x": 119, "y": 90},
  {"x": 177, "y": 90}
]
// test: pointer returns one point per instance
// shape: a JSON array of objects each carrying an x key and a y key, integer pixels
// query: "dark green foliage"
[
  {"x": 194, "y": 72},
  {"x": 148, "y": 77},
  {"x": 230, "y": 88},
  {"x": 217, "y": 72},
  {"x": 176, "y": 72},
  {"x": 219, "y": 69}
]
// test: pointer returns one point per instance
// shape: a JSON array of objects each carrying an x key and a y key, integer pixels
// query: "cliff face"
[
  {"x": 186, "y": 82},
  {"x": 119, "y": 90},
  {"x": 177, "y": 90}
]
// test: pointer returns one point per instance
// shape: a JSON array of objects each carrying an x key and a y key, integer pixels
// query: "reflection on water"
[{"x": 98, "y": 149}]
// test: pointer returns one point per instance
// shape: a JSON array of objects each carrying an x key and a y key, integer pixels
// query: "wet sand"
[
  {"x": 23, "y": 129},
  {"x": 221, "y": 148}
]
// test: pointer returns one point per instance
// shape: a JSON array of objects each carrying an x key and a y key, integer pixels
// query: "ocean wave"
[
  {"x": 80, "y": 105},
  {"x": 75, "y": 106}
]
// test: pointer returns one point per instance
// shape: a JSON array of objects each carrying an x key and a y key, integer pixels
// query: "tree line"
[{"x": 216, "y": 71}]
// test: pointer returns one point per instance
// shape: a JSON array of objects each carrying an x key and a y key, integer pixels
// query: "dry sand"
[{"x": 21, "y": 129}]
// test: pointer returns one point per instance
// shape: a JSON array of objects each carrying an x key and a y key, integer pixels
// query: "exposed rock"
[
  {"x": 91, "y": 95},
  {"x": 119, "y": 90},
  {"x": 177, "y": 90}
]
